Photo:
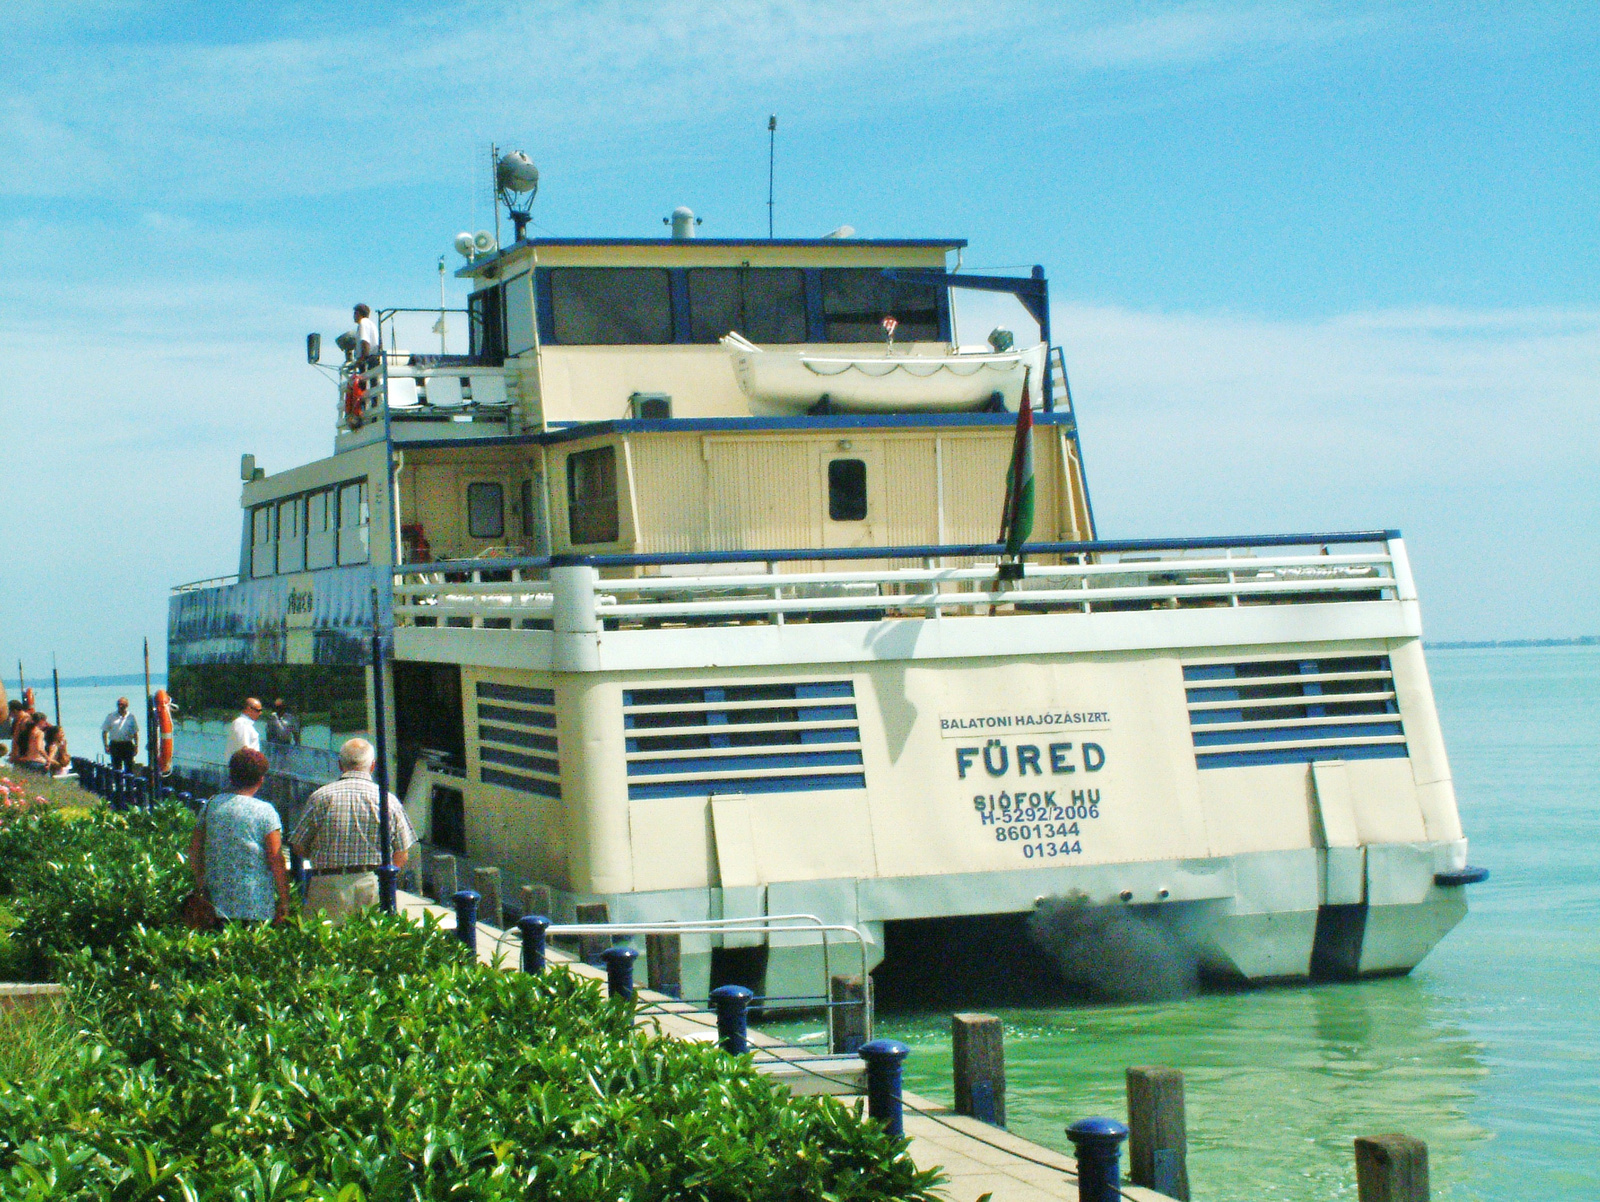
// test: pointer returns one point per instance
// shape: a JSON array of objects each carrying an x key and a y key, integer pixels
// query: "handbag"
[{"x": 197, "y": 913}]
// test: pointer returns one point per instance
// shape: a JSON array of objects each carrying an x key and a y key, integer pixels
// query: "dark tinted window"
[
  {"x": 486, "y": 322},
  {"x": 765, "y": 304},
  {"x": 592, "y": 496},
  {"x": 847, "y": 490},
  {"x": 856, "y": 300},
  {"x": 486, "y": 510},
  {"x": 611, "y": 306}
]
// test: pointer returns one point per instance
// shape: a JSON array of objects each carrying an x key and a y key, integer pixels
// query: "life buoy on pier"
[
  {"x": 164, "y": 731},
  {"x": 355, "y": 400}
]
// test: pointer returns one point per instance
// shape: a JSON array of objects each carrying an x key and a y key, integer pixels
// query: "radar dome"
[{"x": 515, "y": 172}]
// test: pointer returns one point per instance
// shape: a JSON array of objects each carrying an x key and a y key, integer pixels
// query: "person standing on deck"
[
  {"x": 283, "y": 728},
  {"x": 242, "y": 730},
  {"x": 338, "y": 833},
  {"x": 367, "y": 340},
  {"x": 119, "y": 733}
]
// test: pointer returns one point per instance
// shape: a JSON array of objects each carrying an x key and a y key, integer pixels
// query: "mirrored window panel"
[
  {"x": 611, "y": 306},
  {"x": 765, "y": 304}
]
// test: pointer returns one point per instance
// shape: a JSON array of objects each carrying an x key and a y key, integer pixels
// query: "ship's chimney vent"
[{"x": 682, "y": 222}]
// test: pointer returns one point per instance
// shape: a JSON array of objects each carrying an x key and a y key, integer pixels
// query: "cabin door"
[{"x": 851, "y": 478}]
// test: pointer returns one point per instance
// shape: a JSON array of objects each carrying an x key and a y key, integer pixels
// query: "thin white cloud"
[{"x": 335, "y": 109}]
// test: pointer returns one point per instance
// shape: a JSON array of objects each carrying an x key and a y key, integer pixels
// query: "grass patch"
[
  {"x": 59, "y": 794},
  {"x": 37, "y": 1042}
]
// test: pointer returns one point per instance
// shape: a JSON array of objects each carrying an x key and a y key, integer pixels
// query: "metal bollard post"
[
  {"x": 885, "y": 1074},
  {"x": 1097, "y": 1142},
  {"x": 466, "y": 901},
  {"x": 533, "y": 927},
  {"x": 733, "y": 1007},
  {"x": 619, "y": 970}
]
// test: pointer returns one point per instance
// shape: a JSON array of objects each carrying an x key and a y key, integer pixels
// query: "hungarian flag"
[{"x": 1016, "y": 521}]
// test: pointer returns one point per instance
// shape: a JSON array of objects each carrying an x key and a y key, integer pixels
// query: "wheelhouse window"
[
  {"x": 518, "y": 294},
  {"x": 847, "y": 490},
  {"x": 611, "y": 306},
  {"x": 486, "y": 325},
  {"x": 291, "y": 536},
  {"x": 353, "y": 522},
  {"x": 321, "y": 536},
  {"x": 486, "y": 510},
  {"x": 764, "y": 304},
  {"x": 592, "y": 496},
  {"x": 856, "y": 300},
  {"x": 263, "y": 542}
]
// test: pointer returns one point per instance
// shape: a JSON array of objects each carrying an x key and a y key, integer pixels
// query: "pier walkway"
[{"x": 977, "y": 1158}]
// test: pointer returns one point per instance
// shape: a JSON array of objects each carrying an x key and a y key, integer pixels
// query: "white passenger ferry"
[{"x": 687, "y": 578}]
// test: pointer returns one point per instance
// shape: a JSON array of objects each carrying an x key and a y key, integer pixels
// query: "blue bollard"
[
  {"x": 1097, "y": 1142},
  {"x": 619, "y": 970},
  {"x": 733, "y": 1027},
  {"x": 466, "y": 901},
  {"x": 886, "y": 1060},
  {"x": 533, "y": 927}
]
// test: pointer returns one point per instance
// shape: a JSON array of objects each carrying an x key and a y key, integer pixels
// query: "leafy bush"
[
  {"x": 86, "y": 879},
  {"x": 374, "y": 1061}
]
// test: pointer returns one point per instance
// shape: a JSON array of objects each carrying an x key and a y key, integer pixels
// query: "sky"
[{"x": 1313, "y": 266}]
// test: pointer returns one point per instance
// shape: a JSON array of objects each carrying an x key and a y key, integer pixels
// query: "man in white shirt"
[
  {"x": 242, "y": 730},
  {"x": 367, "y": 342},
  {"x": 120, "y": 735}
]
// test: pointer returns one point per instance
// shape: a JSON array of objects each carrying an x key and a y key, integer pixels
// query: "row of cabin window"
[
  {"x": 651, "y": 306},
  {"x": 322, "y": 529},
  {"x": 592, "y": 494}
]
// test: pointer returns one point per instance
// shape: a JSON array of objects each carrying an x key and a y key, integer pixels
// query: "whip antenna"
[{"x": 772, "y": 151}]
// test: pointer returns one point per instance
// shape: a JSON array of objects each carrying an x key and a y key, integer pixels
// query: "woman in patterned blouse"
[{"x": 236, "y": 853}]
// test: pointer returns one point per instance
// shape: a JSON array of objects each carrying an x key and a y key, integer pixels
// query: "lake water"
[{"x": 1489, "y": 1051}]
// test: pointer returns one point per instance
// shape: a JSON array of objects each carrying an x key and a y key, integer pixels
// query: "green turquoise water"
[{"x": 1488, "y": 1051}]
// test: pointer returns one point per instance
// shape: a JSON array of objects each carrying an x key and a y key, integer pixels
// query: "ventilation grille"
[
  {"x": 517, "y": 739},
  {"x": 765, "y": 738},
  {"x": 1293, "y": 711}
]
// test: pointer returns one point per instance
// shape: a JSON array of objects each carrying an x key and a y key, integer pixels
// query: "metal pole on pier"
[
  {"x": 55, "y": 680},
  {"x": 149, "y": 722},
  {"x": 380, "y": 767},
  {"x": 772, "y": 159}
]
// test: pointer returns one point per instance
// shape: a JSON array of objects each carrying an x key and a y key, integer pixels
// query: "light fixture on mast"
[{"x": 516, "y": 182}]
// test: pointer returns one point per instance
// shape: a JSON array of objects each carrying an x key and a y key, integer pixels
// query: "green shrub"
[{"x": 374, "y": 1061}]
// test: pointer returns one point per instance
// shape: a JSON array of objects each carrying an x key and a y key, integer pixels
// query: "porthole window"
[{"x": 847, "y": 490}]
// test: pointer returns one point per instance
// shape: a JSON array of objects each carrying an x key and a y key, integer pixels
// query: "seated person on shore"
[
  {"x": 14, "y": 716},
  {"x": 33, "y": 746},
  {"x": 57, "y": 759},
  {"x": 236, "y": 852}
]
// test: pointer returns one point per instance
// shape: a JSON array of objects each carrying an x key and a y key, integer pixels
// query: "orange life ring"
[
  {"x": 164, "y": 727},
  {"x": 355, "y": 400}
]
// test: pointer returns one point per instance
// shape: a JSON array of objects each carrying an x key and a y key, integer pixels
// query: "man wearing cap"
[{"x": 338, "y": 833}]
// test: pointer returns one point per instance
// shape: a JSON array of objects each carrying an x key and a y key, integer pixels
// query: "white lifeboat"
[{"x": 880, "y": 379}]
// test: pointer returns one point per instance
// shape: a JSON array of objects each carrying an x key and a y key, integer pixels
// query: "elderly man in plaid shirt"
[{"x": 338, "y": 833}]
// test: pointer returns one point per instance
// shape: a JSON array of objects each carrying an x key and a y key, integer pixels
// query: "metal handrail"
[
  {"x": 208, "y": 582},
  {"x": 758, "y": 924}
]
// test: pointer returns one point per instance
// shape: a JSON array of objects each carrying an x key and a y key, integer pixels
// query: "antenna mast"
[
  {"x": 494, "y": 190},
  {"x": 772, "y": 150}
]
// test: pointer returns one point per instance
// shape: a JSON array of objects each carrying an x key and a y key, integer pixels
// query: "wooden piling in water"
[
  {"x": 1391, "y": 1168},
  {"x": 590, "y": 946},
  {"x": 847, "y": 1016},
  {"x": 664, "y": 962},
  {"x": 535, "y": 900},
  {"x": 1158, "y": 1140},
  {"x": 443, "y": 871},
  {"x": 487, "y": 882},
  {"x": 978, "y": 1061}
]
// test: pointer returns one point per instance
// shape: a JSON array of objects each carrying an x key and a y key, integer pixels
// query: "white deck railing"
[
  {"x": 534, "y": 597},
  {"x": 426, "y": 391}
]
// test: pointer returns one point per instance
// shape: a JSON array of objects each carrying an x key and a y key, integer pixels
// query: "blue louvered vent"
[
  {"x": 1293, "y": 711},
  {"x": 517, "y": 739},
  {"x": 748, "y": 738}
]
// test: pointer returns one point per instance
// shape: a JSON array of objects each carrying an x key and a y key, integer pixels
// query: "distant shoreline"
[
  {"x": 91, "y": 682},
  {"x": 1587, "y": 640}
]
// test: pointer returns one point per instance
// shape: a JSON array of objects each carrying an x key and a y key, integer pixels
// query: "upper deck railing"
[{"x": 578, "y": 592}]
